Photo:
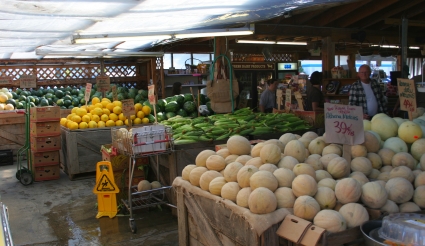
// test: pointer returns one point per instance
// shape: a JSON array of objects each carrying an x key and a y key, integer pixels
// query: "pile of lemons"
[{"x": 104, "y": 113}]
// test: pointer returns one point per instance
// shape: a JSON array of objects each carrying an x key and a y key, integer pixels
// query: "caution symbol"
[{"x": 105, "y": 185}]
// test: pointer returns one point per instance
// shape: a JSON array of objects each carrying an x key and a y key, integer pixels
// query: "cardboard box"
[
  {"x": 314, "y": 118},
  {"x": 45, "y": 158},
  {"x": 51, "y": 128},
  {"x": 43, "y": 114},
  {"x": 46, "y": 172},
  {"x": 43, "y": 144}
]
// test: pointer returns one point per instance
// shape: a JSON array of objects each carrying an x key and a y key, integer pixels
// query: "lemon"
[
  {"x": 100, "y": 124},
  {"x": 63, "y": 121},
  {"x": 105, "y": 99},
  {"x": 110, "y": 123},
  {"x": 98, "y": 105},
  {"x": 110, "y": 106},
  {"x": 69, "y": 124},
  {"x": 126, "y": 122},
  {"x": 138, "y": 106},
  {"x": 119, "y": 123},
  {"x": 132, "y": 117},
  {"x": 122, "y": 117},
  {"x": 69, "y": 117},
  {"x": 95, "y": 100},
  {"x": 145, "y": 120},
  {"x": 92, "y": 124},
  {"x": 74, "y": 110},
  {"x": 76, "y": 118},
  {"x": 84, "y": 107},
  {"x": 97, "y": 111},
  {"x": 137, "y": 121},
  {"x": 104, "y": 117},
  {"x": 85, "y": 118},
  {"x": 117, "y": 103},
  {"x": 106, "y": 111},
  {"x": 146, "y": 110},
  {"x": 117, "y": 110},
  {"x": 73, "y": 126},
  {"x": 89, "y": 115},
  {"x": 95, "y": 118},
  {"x": 83, "y": 125},
  {"x": 104, "y": 103},
  {"x": 113, "y": 117},
  {"x": 80, "y": 112},
  {"x": 91, "y": 107},
  {"x": 140, "y": 114}
]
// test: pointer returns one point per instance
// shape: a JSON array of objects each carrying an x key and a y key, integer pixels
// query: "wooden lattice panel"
[
  {"x": 15, "y": 72},
  {"x": 273, "y": 58}
]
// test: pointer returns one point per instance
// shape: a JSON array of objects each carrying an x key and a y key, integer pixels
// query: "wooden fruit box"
[
  {"x": 206, "y": 219},
  {"x": 12, "y": 131}
]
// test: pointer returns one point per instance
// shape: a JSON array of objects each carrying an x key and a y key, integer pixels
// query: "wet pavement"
[{"x": 62, "y": 212}]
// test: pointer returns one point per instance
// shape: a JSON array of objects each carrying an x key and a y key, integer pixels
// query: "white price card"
[
  {"x": 103, "y": 83},
  {"x": 406, "y": 92},
  {"x": 88, "y": 92},
  {"x": 27, "y": 81},
  {"x": 344, "y": 124}
]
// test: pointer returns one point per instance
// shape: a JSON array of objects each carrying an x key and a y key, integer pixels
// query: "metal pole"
[{"x": 404, "y": 68}]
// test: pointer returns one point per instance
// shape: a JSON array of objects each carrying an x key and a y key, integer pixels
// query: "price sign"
[
  {"x": 103, "y": 83},
  {"x": 151, "y": 94},
  {"x": 114, "y": 93},
  {"x": 88, "y": 92},
  {"x": 128, "y": 107},
  {"x": 6, "y": 80},
  {"x": 288, "y": 100},
  {"x": 27, "y": 81},
  {"x": 406, "y": 91},
  {"x": 344, "y": 124}
]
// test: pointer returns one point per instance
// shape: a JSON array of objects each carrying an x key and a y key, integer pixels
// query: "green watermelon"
[
  {"x": 63, "y": 107},
  {"x": 180, "y": 100},
  {"x": 170, "y": 115},
  {"x": 188, "y": 97},
  {"x": 22, "y": 98},
  {"x": 67, "y": 103},
  {"x": 144, "y": 93},
  {"x": 40, "y": 92},
  {"x": 160, "y": 116},
  {"x": 138, "y": 99},
  {"x": 172, "y": 107},
  {"x": 75, "y": 102},
  {"x": 14, "y": 95},
  {"x": 31, "y": 99},
  {"x": 44, "y": 102},
  {"x": 50, "y": 101},
  {"x": 74, "y": 92},
  {"x": 151, "y": 118},
  {"x": 189, "y": 106},
  {"x": 161, "y": 104},
  {"x": 18, "y": 91},
  {"x": 67, "y": 97},
  {"x": 11, "y": 101},
  {"x": 170, "y": 99},
  {"x": 47, "y": 91},
  {"x": 60, "y": 102},
  {"x": 19, "y": 105},
  {"x": 59, "y": 94},
  {"x": 182, "y": 112}
]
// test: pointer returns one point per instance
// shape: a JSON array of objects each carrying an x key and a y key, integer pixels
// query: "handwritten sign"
[
  {"x": 128, "y": 107},
  {"x": 88, "y": 92},
  {"x": 103, "y": 83},
  {"x": 406, "y": 91},
  {"x": 151, "y": 94},
  {"x": 114, "y": 93},
  {"x": 27, "y": 81},
  {"x": 344, "y": 124},
  {"x": 6, "y": 80},
  {"x": 288, "y": 99}
]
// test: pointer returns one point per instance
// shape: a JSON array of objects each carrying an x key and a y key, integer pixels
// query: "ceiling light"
[
  {"x": 292, "y": 43},
  {"x": 414, "y": 47},
  {"x": 42, "y": 52},
  {"x": 254, "y": 41},
  {"x": 106, "y": 38}
]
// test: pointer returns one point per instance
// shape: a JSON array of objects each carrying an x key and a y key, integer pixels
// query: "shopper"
[
  {"x": 177, "y": 88},
  {"x": 367, "y": 93},
  {"x": 268, "y": 97},
  {"x": 315, "y": 99}
]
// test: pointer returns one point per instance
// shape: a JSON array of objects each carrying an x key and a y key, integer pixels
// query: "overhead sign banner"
[
  {"x": 253, "y": 66},
  {"x": 407, "y": 94},
  {"x": 103, "y": 83},
  {"x": 344, "y": 124},
  {"x": 27, "y": 81}
]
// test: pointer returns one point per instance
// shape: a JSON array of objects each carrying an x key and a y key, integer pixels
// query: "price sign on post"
[
  {"x": 88, "y": 92},
  {"x": 27, "y": 81},
  {"x": 128, "y": 108},
  {"x": 288, "y": 100},
  {"x": 151, "y": 94},
  {"x": 344, "y": 124},
  {"x": 6, "y": 80},
  {"x": 103, "y": 83},
  {"x": 406, "y": 91},
  {"x": 114, "y": 93}
]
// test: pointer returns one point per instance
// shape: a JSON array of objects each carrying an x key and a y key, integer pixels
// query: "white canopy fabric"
[{"x": 50, "y": 24}]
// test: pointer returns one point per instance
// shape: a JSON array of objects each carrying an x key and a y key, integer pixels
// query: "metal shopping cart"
[{"x": 145, "y": 141}]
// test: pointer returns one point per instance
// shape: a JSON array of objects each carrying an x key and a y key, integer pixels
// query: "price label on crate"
[
  {"x": 128, "y": 107},
  {"x": 88, "y": 92},
  {"x": 6, "y": 80},
  {"x": 406, "y": 92},
  {"x": 103, "y": 83},
  {"x": 288, "y": 99},
  {"x": 151, "y": 94},
  {"x": 27, "y": 81},
  {"x": 344, "y": 124},
  {"x": 114, "y": 93}
]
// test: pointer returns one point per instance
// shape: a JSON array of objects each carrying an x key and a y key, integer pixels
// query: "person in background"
[
  {"x": 177, "y": 88},
  {"x": 315, "y": 99},
  {"x": 367, "y": 93},
  {"x": 268, "y": 97}
]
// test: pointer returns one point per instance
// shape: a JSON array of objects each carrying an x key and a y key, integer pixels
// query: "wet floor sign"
[{"x": 106, "y": 190}]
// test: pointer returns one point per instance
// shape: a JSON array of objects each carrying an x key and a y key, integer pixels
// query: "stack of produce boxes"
[{"x": 45, "y": 137}]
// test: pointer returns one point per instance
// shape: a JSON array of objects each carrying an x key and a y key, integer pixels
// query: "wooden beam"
[
  {"x": 393, "y": 21},
  {"x": 367, "y": 10},
  {"x": 328, "y": 56},
  {"x": 301, "y": 19}
]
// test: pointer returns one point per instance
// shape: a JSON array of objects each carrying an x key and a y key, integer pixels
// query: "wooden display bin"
[
  {"x": 81, "y": 149},
  {"x": 12, "y": 131},
  {"x": 206, "y": 219}
]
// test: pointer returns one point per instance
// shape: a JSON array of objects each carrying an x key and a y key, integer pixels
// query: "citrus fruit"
[
  {"x": 122, "y": 117},
  {"x": 106, "y": 111},
  {"x": 113, "y": 117},
  {"x": 92, "y": 124},
  {"x": 98, "y": 105},
  {"x": 126, "y": 122},
  {"x": 69, "y": 124},
  {"x": 80, "y": 111},
  {"x": 84, "y": 107},
  {"x": 138, "y": 106},
  {"x": 110, "y": 106},
  {"x": 69, "y": 117},
  {"x": 74, "y": 110},
  {"x": 63, "y": 121},
  {"x": 110, "y": 123},
  {"x": 76, "y": 118},
  {"x": 145, "y": 120},
  {"x": 117, "y": 103},
  {"x": 91, "y": 107},
  {"x": 140, "y": 114},
  {"x": 104, "y": 117},
  {"x": 95, "y": 118},
  {"x": 119, "y": 123},
  {"x": 137, "y": 121},
  {"x": 73, "y": 126},
  {"x": 97, "y": 111},
  {"x": 100, "y": 124},
  {"x": 95, "y": 100},
  {"x": 146, "y": 110},
  {"x": 85, "y": 118},
  {"x": 89, "y": 115},
  {"x": 83, "y": 125},
  {"x": 132, "y": 117},
  {"x": 117, "y": 110},
  {"x": 105, "y": 99},
  {"x": 104, "y": 103}
]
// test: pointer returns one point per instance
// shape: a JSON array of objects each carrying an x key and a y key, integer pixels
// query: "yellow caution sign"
[{"x": 106, "y": 190}]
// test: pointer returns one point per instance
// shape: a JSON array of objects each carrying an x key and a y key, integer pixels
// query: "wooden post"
[
  {"x": 182, "y": 219},
  {"x": 328, "y": 56},
  {"x": 352, "y": 65}
]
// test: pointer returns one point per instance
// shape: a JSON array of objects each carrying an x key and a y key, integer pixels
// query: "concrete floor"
[{"x": 62, "y": 212}]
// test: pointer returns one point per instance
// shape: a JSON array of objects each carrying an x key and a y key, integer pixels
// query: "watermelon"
[
  {"x": 138, "y": 99},
  {"x": 172, "y": 107},
  {"x": 193, "y": 114},
  {"x": 170, "y": 99},
  {"x": 32, "y": 105},
  {"x": 19, "y": 105},
  {"x": 160, "y": 116},
  {"x": 14, "y": 95},
  {"x": 11, "y": 101},
  {"x": 71, "y": 107},
  {"x": 67, "y": 103},
  {"x": 75, "y": 102},
  {"x": 44, "y": 102},
  {"x": 31, "y": 99},
  {"x": 18, "y": 91},
  {"x": 63, "y": 107},
  {"x": 60, "y": 102},
  {"x": 59, "y": 94},
  {"x": 188, "y": 97},
  {"x": 82, "y": 101},
  {"x": 121, "y": 96},
  {"x": 74, "y": 92},
  {"x": 180, "y": 100},
  {"x": 37, "y": 100},
  {"x": 170, "y": 115},
  {"x": 161, "y": 104},
  {"x": 67, "y": 97},
  {"x": 22, "y": 98},
  {"x": 151, "y": 118},
  {"x": 50, "y": 102},
  {"x": 182, "y": 112},
  {"x": 144, "y": 93},
  {"x": 189, "y": 106},
  {"x": 40, "y": 92},
  {"x": 47, "y": 91}
]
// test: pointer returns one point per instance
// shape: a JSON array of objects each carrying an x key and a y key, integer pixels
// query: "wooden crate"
[
  {"x": 81, "y": 149},
  {"x": 12, "y": 132},
  {"x": 206, "y": 219}
]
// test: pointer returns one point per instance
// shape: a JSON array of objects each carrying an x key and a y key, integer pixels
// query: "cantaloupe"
[
  {"x": 384, "y": 176},
  {"x": 422, "y": 162},
  {"x": 223, "y": 153},
  {"x": 256, "y": 161},
  {"x": 314, "y": 162},
  {"x": 327, "y": 182},
  {"x": 374, "y": 195},
  {"x": 361, "y": 164},
  {"x": 332, "y": 149},
  {"x": 359, "y": 177},
  {"x": 207, "y": 177},
  {"x": 263, "y": 179},
  {"x": 386, "y": 169},
  {"x": 305, "y": 141},
  {"x": 255, "y": 151},
  {"x": 403, "y": 172},
  {"x": 285, "y": 138},
  {"x": 375, "y": 159},
  {"x": 371, "y": 142},
  {"x": 403, "y": 159},
  {"x": 409, "y": 207},
  {"x": 230, "y": 191},
  {"x": 238, "y": 145},
  {"x": 284, "y": 177},
  {"x": 287, "y": 162},
  {"x": 231, "y": 171},
  {"x": 202, "y": 157},
  {"x": 367, "y": 125},
  {"x": 186, "y": 171},
  {"x": 399, "y": 190},
  {"x": 326, "y": 198},
  {"x": 195, "y": 175},
  {"x": 270, "y": 153},
  {"x": 285, "y": 197},
  {"x": 144, "y": 185},
  {"x": 156, "y": 185},
  {"x": 396, "y": 144},
  {"x": 316, "y": 146},
  {"x": 310, "y": 135},
  {"x": 322, "y": 174},
  {"x": 231, "y": 158},
  {"x": 417, "y": 149},
  {"x": 304, "y": 184},
  {"x": 330, "y": 220},
  {"x": 243, "y": 196},
  {"x": 325, "y": 159},
  {"x": 374, "y": 174},
  {"x": 295, "y": 149},
  {"x": 306, "y": 207},
  {"x": 386, "y": 156},
  {"x": 354, "y": 214},
  {"x": 215, "y": 162},
  {"x": 244, "y": 174},
  {"x": 268, "y": 167},
  {"x": 262, "y": 201},
  {"x": 390, "y": 207},
  {"x": 338, "y": 167},
  {"x": 216, "y": 184},
  {"x": 243, "y": 159},
  {"x": 277, "y": 143},
  {"x": 348, "y": 190},
  {"x": 302, "y": 168},
  {"x": 420, "y": 180},
  {"x": 358, "y": 151}
]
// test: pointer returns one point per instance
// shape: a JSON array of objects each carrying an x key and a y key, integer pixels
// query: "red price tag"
[
  {"x": 128, "y": 107},
  {"x": 151, "y": 94},
  {"x": 88, "y": 92}
]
